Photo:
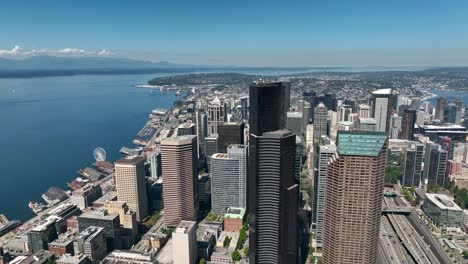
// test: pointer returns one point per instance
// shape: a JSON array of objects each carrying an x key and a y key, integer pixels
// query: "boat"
[
  {"x": 37, "y": 207},
  {"x": 178, "y": 92}
]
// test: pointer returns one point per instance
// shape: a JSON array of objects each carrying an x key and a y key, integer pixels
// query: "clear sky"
[{"x": 241, "y": 32}]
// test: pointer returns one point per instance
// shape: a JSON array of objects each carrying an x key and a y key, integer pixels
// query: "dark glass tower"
[
  {"x": 407, "y": 126},
  {"x": 229, "y": 133},
  {"x": 272, "y": 189},
  {"x": 273, "y": 231},
  {"x": 267, "y": 107}
]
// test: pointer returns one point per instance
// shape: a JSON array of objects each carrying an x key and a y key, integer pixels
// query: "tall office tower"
[
  {"x": 273, "y": 199},
  {"x": 381, "y": 109},
  {"x": 450, "y": 113},
  {"x": 353, "y": 198},
  {"x": 324, "y": 153},
  {"x": 309, "y": 96},
  {"x": 298, "y": 160},
  {"x": 267, "y": 107},
  {"x": 229, "y": 179},
  {"x": 427, "y": 107},
  {"x": 459, "y": 104},
  {"x": 186, "y": 128},
  {"x": 180, "y": 179},
  {"x": 407, "y": 124},
  {"x": 345, "y": 111},
  {"x": 320, "y": 122},
  {"x": 415, "y": 104},
  {"x": 154, "y": 159},
  {"x": 211, "y": 147},
  {"x": 229, "y": 133},
  {"x": 402, "y": 109},
  {"x": 435, "y": 162},
  {"x": 287, "y": 95},
  {"x": 245, "y": 107},
  {"x": 202, "y": 129},
  {"x": 440, "y": 108},
  {"x": 306, "y": 110},
  {"x": 294, "y": 122},
  {"x": 130, "y": 183},
  {"x": 351, "y": 103},
  {"x": 215, "y": 115},
  {"x": 363, "y": 111},
  {"x": 420, "y": 118},
  {"x": 413, "y": 165},
  {"x": 127, "y": 220},
  {"x": 184, "y": 243}
]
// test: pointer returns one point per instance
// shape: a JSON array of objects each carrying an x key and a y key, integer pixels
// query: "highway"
[{"x": 401, "y": 243}]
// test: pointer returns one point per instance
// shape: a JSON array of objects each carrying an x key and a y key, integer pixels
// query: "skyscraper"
[
  {"x": 130, "y": 183},
  {"x": 407, "y": 126},
  {"x": 294, "y": 122},
  {"x": 412, "y": 170},
  {"x": 202, "y": 129},
  {"x": 184, "y": 243},
  {"x": 363, "y": 111},
  {"x": 353, "y": 198},
  {"x": 273, "y": 192},
  {"x": 229, "y": 179},
  {"x": 381, "y": 109},
  {"x": 274, "y": 199},
  {"x": 435, "y": 162},
  {"x": 450, "y": 113},
  {"x": 324, "y": 153},
  {"x": 320, "y": 122},
  {"x": 440, "y": 108},
  {"x": 215, "y": 115},
  {"x": 229, "y": 133},
  {"x": 267, "y": 107},
  {"x": 180, "y": 179}
]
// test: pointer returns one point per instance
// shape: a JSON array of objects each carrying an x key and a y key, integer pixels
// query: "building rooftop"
[
  {"x": 383, "y": 91},
  {"x": 294, "y": 114},
  {"x": 68, "y": 259},
  {"x": 44, "y": 224},
  {"x": 443, "y": 201},
  {"x": 179, "y": 140},
  {"x": 443, "y": 127},
  {"x": 130, "y": 160},
  {"x": 233, "y": 212},
  {"x": 360, "y": 143},
  {"x": 99, "y": 214},
  {"x": 184, "y": 227},
  {"x": 367, "y": 121}
]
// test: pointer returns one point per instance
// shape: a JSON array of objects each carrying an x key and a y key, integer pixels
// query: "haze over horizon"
[{"x": 295, "y": 34}]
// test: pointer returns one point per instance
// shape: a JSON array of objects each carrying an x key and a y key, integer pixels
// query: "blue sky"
[{"x": 240, "y": 32}]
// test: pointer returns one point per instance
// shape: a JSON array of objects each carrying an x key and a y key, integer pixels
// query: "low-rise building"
[
  {"x": 443, "y": 211},
  {"x": 129, "y": 257},
  {"x": 234, "y": 219},
  {"x": 63, "y": 244},
  {"x": 184, "y": 243},
  {"x": 101, "y": 218},
  {"x": 85, "y": 196},
  {"x": 39, "y": 257},
  {"x": 92, "y": 243},
  {"x": 69, "y": 259},
  {"x": 206, "y": 240}
]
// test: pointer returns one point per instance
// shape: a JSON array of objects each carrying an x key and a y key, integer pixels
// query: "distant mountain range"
[{"x": 82, "y": 63}]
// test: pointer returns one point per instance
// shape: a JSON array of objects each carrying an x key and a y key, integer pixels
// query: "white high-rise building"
[
  {"x": 228, "y": 178},
  {"x": 184, "y": 243},
  {"x": 215, "y": 115},
  {"x": 382, "y": 108}
]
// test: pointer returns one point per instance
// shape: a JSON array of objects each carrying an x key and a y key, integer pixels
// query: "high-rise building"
[
  {"x": 324, "y": 153},
  {"x": 154, "y": 160},
  {"x": 273, "y": 199},
  {"x": 440, "y": 108},
  {"x": 450, "y": 113},
  {"x": 211, "y": 147},
  {"x": 407, "y": 126},
  {"x": 353, "y": 198},
  {"x": 186, "y": 128},
  {"x": 130, "y": 183},
  {"x": 215, "y": 115},
  {"x": 381, "y": 109},
  {"x": 228, "y": 179},
  {"x": 244, "y": 108},
  {"x": 127, "y": 219},
  {"x": 184, "y": 243},
  {"x": 42, "y": 234},
  {"x": 306, "y": 112},
  {"x": 180, "y": 179},
  {"x": 202, "y": 130},
  {"x": 298, "y": 159},
  {"x": 363, "y": 111},
  {"x": 229, "y": 133},
  {"x": 435, "y": 163},
  {"x": 412, "y": 170},
  {"x": 267, "y": 107},
  {"x": 294, "y": 122},
  {"x": 345, "y": 112},
  {"x": 309, "y": 96},
  {"x": 320, "y": 122}
]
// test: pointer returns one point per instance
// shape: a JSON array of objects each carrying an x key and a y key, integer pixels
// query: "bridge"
[{"x": 396, "y": 210}]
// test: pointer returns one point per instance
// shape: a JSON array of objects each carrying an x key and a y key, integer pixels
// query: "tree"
[
  {"x": 242, "y": 238},
  {"x": 236, "y": 256},
  {"x": 465, "y": 254},
  {"x": 202, "y": 261},
  {"x": 246, "y": 250}
]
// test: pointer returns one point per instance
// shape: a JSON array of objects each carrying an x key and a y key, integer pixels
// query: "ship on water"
[{"x": 37, "y": 207}]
